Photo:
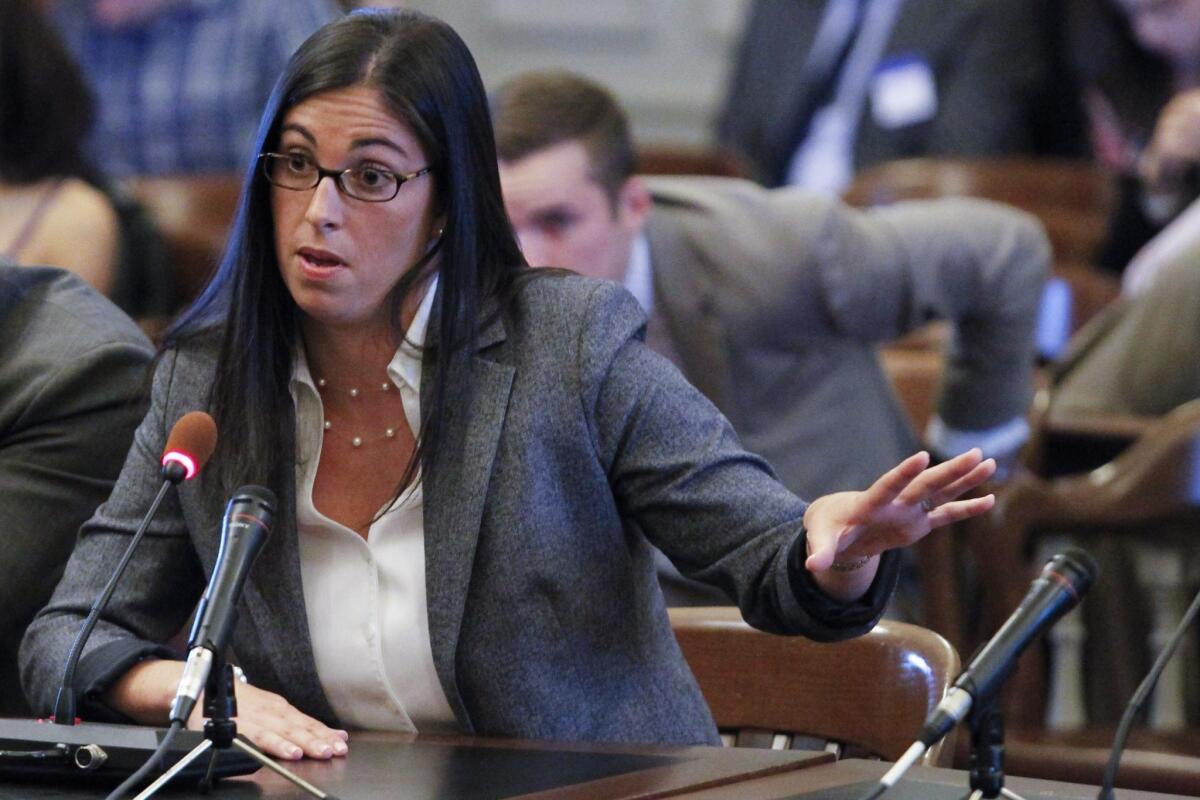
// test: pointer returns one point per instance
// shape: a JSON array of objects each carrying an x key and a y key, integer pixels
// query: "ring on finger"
[{"x": 927, "y": 505}]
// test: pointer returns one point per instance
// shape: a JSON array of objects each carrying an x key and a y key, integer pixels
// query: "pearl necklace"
[{"x": 354, "y": 392}]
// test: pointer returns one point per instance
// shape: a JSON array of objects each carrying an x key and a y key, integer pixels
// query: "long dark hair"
[
  {"x": 45, "y": 105},
  {"x": 429, "y": 81}
]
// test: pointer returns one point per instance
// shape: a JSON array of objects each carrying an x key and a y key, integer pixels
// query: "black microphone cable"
[
  {"x": 151, "y": 764},
  {"x": 1139, "y": 699}
]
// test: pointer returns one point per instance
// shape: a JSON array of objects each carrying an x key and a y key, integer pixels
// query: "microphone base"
[
  {"x": 221, "y": 741},
  {"x": 100, "y": 754},
  {"x": 987, "y": 753}
]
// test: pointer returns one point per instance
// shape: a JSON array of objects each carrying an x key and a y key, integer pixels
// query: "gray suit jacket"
[
  {"x": 1139, "y": 356},
  {"x": 72, "y": 370},
  {"x": 987, "y": 65},
  {"x": 777, "y": 299},
  {"x": 576, "y": 446}
]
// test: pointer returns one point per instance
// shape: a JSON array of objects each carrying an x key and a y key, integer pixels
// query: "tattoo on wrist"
[
  {"x": 849, "y": 566},
  {"x": 841, "y": 566}
]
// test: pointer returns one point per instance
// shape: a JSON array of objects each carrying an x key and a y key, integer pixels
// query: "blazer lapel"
[
  {"x": 685, "y": 295},
  {"x": 454, "y": 500}
]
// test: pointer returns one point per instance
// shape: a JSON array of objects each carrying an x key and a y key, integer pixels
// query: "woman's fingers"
[
  {"x": 282, "y": 730},
  {"x": 978, "y": 475},
  {"x": 949, "y": 479},
  {"x": 889, "y": 485},
  {"x": 903, "y": 505},
  {"x": 960, "y": 510}
]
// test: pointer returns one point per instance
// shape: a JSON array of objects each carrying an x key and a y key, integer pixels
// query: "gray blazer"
[
  {"x": 72, "y": 371},
  {"x": 576, "y": 446},
  {"x": 776, "y": 301}
]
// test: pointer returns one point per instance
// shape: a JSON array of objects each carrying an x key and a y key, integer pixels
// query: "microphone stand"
[
  {"x": 987, "y": 752},
  {"x": 220, "y": 735}
]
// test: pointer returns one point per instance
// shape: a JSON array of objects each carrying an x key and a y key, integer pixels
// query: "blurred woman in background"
[
  {"x": 50, "y": 213},
  {"x": 56, "y": 207}
]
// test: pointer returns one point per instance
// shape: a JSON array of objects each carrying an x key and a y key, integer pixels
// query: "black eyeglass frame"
[{"x": 338, "y": 175}]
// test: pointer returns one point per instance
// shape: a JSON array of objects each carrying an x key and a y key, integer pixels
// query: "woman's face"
[{"x": 340, "y": 256}]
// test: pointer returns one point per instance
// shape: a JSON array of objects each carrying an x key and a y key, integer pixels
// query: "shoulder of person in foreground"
[
  {"x": 72, "y": 390},
  {"x": 68, "y": 316}
]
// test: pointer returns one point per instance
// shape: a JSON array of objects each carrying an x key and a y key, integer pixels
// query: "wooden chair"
[
  {"x": 870, "y": 694},
  {"x": 1150, "y": 493},
  {"x": 681, "y": 159},
  {"x": 1073, "y": 199},
  {"x": 194, "y": 213}
]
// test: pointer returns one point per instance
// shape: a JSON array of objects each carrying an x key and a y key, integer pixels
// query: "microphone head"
[
  {"x": 257, "y": 499},
  {"x": 190, "y": 445},
  {"x": 1074, "y": 568}
]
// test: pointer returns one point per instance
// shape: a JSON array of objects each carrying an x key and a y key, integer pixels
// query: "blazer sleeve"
[
  {"x": 979, "y": 265},
  {"x": 152, "y": 601},
  {"x": 680, "y": 475}
]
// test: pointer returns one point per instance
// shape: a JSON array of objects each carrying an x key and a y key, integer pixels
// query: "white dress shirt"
[{"x": 365, "y": 598}]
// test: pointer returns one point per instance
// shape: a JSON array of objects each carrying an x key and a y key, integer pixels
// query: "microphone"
[
  {"x": 95, "y": 752},
  {"x": 248, "y": 519},
  {"x": 1062, "y": 583},
  {"x": 190, "y": 444}
]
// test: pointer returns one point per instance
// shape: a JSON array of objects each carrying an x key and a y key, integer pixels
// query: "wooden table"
[
  {"x": 921, "y": 783},
  {"x": 385, "y": 766}
]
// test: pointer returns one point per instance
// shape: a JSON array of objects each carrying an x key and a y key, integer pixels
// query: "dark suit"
[
  {"x": 985, "y": 57},
  {"x": 545, "y": 617},
  {"x": 72, "y": 369}
]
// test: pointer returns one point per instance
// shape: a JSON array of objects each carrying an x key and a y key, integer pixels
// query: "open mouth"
[{"x": 320, "y": 259}]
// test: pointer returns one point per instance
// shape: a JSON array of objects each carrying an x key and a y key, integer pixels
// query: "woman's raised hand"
[{"x": 907, "y": 502}]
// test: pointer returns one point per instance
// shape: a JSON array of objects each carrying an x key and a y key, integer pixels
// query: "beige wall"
[{"x": 668, "y": 60}]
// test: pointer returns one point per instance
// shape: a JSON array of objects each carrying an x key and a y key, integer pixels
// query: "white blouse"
[{"x": 367, "y": 607}]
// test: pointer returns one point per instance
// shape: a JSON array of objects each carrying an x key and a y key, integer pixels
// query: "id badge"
[{"x": 903, "y": 92}]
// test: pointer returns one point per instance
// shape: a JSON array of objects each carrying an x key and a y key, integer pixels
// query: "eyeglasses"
[{"x": 298, "y": 172}]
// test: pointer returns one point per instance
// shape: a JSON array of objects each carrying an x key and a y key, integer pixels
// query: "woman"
[
  {"x": 56, "y": 208},
  {"x": 49, "y": 212},
  {"x": 469, "y": 454}
]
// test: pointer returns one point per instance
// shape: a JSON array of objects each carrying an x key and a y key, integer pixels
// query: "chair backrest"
[
  {"x": 684, "y": 159},
  {"x": 194, "y": 213},
  {"x": 1157, "y": 477},
  {"x": 870, "y": 694}
]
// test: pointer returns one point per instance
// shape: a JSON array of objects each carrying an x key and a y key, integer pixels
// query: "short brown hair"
[{"x": 540, "y": 109}]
